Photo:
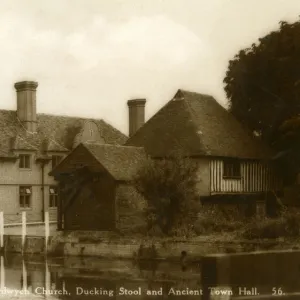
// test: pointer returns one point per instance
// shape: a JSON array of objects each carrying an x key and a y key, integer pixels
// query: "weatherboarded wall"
[
  {"x": 255, "y": 177},
  {"x": 130, "y": 209}
]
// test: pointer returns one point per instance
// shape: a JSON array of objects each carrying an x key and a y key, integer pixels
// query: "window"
[
  {"x": 231, "y": 168},
  {"x": 56, "y": 159},
  {"x": 53, "y": 196},
  {"x": 25, "y": 196},
  {"x": 24, "y": 162}
]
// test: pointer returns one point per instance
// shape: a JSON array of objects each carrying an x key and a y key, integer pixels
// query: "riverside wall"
[{"x": 137, "y": 247}]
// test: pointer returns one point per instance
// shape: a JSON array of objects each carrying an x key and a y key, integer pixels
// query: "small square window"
[
  {"x": 231, "y": 168},
  {"x": 24, "y": 161},
  {"x": 25, "y": 196}
]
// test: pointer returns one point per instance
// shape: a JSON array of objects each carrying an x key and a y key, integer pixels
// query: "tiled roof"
[
  {"x": 54, "y": 133},
  {"x": 122, "y": 162},
  {"x": 197, "y": 125}
]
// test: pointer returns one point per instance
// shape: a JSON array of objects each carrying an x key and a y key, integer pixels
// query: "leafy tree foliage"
[
  {"x": 169, "y": 186},
  {"x": 263, "y": 87}
]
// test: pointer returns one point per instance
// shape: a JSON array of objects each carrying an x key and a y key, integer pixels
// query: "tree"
[
  {"x": 169, "y": 186},
  {"x": 262, "y": 84}
]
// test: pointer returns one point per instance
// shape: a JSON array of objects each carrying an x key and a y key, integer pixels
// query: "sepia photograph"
[{"x": 150, "y": 149}]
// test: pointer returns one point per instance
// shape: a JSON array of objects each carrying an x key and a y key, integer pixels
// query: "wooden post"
[
  {"x": 24, "y": 276},
  {"x": 47, "y": 276},
  {"x": 23, "y": 229},
  {"x": 59, "y": 209},
  {"x": 2, "y": 273},
  {"x": 1, "y": 231},
  {"x": 47, "y": 230}
]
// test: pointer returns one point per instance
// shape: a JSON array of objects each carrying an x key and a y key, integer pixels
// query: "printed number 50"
[{"x": 277, "y": 291}]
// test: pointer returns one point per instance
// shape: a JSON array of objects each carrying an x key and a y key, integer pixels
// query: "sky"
[{"x": 91, "y": 56}]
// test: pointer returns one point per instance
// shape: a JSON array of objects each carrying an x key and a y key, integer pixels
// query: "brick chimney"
[
  {"x": 26, "y": 104},
  {"x": 136, "y": 114}
]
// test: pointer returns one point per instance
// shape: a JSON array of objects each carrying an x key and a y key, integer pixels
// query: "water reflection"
[
  {"x": 35, "y": 277},
  {"x": 91, "y": 278}
]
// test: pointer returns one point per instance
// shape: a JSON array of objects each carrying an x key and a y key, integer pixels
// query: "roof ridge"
[
  {"x": 66, "y": 116},
  {"x": 196, "y": 93},
  {"x": 111, "y": 145}
]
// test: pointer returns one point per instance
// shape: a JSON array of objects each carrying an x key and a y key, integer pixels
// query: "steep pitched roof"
[
  {"x": 197, "y": 125},
  {"x": 121, "y": 162},
  {"x": 54, "y": 133}
]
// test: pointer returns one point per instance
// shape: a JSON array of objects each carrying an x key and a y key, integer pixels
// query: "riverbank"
[{"x": 104, "y": 244}]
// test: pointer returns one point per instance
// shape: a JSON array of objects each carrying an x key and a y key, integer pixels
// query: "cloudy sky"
[{"x": 91, "y": 56}]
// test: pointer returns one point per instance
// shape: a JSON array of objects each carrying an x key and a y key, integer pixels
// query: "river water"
[
  {"x": 37, "y": 277},
  {"x": 95, "y": 278}
]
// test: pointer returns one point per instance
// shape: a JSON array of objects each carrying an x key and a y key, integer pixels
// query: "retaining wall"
[{"x": 121, "y": 247}]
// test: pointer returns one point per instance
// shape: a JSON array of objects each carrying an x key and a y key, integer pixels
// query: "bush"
[
  {"x": 169, "y": 186},
  {"x": 186, "y": 231},
  {"x": 268, "y": 229},
  {"x": 216, "y": 219},
  {"x": 287, "y": 225}
]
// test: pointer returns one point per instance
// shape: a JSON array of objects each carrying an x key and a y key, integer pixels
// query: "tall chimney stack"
[
  {"x": 136, "y": 114},
  {"x": 26, "y": 104}
]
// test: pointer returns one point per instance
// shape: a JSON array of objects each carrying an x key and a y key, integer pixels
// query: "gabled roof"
[
  {"x": 197, "y": 125},
  {"x": 121, "y": 162},
  {"x": 54, "y": 133}
]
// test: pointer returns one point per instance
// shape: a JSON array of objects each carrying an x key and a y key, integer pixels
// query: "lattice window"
[
  {"x": 53, "y": 196},
  {"x": 25, "y": 193}
]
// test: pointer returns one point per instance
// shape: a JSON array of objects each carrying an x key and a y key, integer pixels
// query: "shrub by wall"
[{"x": 286, "y": 225}]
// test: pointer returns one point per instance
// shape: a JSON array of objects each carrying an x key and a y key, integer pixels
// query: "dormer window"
[
  {"x": 24, "y": 161},
  {"x": 56, "y": 159}
]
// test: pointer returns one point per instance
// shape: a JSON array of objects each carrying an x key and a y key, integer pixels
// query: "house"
[
  {"x": 96, "y": 188},
  {"x": 96, "y": 179},
  {"x": 31, "y": 145},
  {"x": 232, "y": 163}
]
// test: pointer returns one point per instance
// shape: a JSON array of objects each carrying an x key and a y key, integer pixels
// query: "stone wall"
[
  {"x": 109, "y": 246},
  {"x": 165, "y": 248},
  {"x": 130, "y": 210}
]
